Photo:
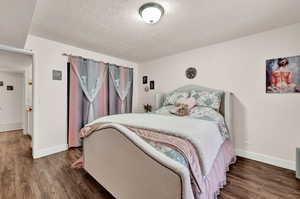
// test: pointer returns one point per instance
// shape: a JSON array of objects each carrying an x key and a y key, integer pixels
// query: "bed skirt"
[{"x": 216, "y": 179}]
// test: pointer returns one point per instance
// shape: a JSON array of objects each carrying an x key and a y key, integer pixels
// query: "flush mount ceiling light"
[{"x": 151, "y": 12}]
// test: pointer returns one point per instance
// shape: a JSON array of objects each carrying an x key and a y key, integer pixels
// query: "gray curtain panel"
[
  {"x": 91, "y": 75},
  {"x": 88, "y": 95},
  {"x": 120, "y": 89},
  {"x": 96, "y": 89}
]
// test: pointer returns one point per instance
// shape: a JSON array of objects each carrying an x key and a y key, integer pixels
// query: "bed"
[{"x": 121, "y": 156}]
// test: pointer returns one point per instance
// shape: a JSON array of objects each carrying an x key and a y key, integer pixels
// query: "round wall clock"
[{"x": 191, "y": 73}]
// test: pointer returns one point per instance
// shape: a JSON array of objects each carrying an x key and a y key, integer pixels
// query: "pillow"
[
  {"x": 173, "y": 97},
  {"x": 190, "y": 102},
  {"x": 210, "y": 99}
]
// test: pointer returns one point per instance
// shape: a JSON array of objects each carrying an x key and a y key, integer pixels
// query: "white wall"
[
  {"x": 50, "y": 135},
  {"x": 266, "y": 126},
  {"x": 11, "y": 102}
]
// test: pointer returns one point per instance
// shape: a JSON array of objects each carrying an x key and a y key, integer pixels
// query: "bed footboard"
[{"x": 123, "y": 166}]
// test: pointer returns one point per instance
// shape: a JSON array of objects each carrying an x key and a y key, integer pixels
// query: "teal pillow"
[{"x": 210, "y": 99}]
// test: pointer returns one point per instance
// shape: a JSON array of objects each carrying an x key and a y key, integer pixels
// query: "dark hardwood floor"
[{"x": 52, "y": 178}]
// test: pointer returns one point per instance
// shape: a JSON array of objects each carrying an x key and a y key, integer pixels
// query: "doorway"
[{"x": 17, "y": 92}]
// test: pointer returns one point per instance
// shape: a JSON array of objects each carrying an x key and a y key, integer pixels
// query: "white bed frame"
[{"x": 129, "y": 169}]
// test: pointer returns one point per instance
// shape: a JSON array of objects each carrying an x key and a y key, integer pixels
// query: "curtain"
[
  {"x": 96, "y": 89},
  {"x": 120, "y": 89},
  {"x": 88, "y": 95}
]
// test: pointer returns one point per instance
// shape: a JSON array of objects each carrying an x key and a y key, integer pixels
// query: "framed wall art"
[
  {"x": 283, "y": 75},
  {"x": 145, "y": 79},
  {"x": 10, "y": 88},
  {"x": 152, "y": 86}
]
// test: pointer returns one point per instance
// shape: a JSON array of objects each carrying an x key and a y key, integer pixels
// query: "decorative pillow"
[
  {"x": 173, "y": 97},
  {"x": 190, "y": 102},
  {"x": 210, "y": 99}
]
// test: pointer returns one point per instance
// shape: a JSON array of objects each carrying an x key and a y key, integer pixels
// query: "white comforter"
[{"x": 205, "y": 135}]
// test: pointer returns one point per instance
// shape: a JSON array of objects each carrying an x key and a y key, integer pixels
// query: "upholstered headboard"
[{"x": 225, "y": 109}]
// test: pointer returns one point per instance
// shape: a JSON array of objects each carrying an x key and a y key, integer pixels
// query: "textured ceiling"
[
  {"x": 14, "y": 62},
  {"x": 15, "y": 21},
  {"x": 113, "y": 26}
]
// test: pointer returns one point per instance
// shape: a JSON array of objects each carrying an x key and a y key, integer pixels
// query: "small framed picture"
[
  {"x": 152, "y": 85},
  {"x": 1, "y": 83},
  {"x": 56, "y": 75},
  {"x": 145, "y": 79},
  {"x": 9, "y": 88}
]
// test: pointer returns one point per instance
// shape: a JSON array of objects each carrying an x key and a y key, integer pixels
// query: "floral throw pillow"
[
  {"x": 173, "y": 97},
  {"x": 210, "y": 99}
]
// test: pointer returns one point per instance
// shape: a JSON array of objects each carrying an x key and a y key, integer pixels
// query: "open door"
[
  {"x": 28, "y": 102},
  {"x": 21, "y": 61}
]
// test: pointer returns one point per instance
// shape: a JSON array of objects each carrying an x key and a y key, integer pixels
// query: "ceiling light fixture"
[{"x": 151, "y": 12}]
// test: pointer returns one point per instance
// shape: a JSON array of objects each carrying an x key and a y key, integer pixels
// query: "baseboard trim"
[
  {"x": 49, "y": 151},
  {"x": 246, "y": 154},
  {"x": 267, "y": 159},
  {"x": 11, "y": 127}
]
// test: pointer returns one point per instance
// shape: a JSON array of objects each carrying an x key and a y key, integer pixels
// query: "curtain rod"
[{"x": 70, "y": 55}]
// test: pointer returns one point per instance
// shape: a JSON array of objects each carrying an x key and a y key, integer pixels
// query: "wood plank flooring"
[{"x": 52, "y": 178}]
